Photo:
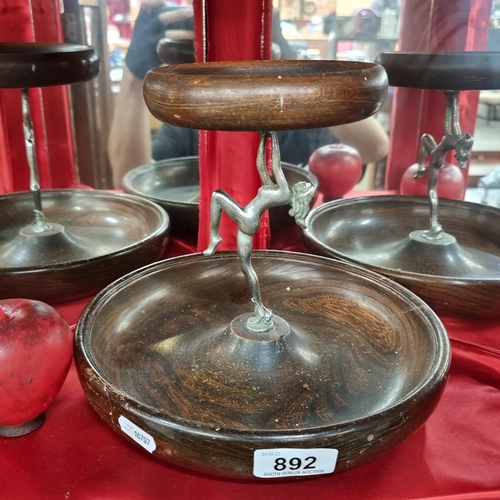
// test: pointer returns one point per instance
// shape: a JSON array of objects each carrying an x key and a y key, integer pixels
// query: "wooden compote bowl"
[
  {"x": 453, "y": 264},
  {"x": 79, "y": 240},
  {"x": 338, "y": 360}
]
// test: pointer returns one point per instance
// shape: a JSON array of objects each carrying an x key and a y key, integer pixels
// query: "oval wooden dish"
[
  {"x": 26, "y": 64},
  {"x": 265, "y": 95},
  {"x": 443, "y": 70},
  {"x": 459, "y": 276},
  {"x": 175, "y": 185},
  {"x": 359, "y": 365},
  {"x": 96, "y": 237}
]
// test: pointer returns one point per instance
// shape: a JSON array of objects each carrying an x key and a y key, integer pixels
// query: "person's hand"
[
  {"x": 178, "y": 24},
  {"x": 154, "y": 22}
]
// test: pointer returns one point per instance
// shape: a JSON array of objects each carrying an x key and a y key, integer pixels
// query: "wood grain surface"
[
  {"x": 265, "y": 95},
  {"x": 461, "y": 278},
  {"x": 104, "y": 236},
  {"x": 360, "y": 366}
]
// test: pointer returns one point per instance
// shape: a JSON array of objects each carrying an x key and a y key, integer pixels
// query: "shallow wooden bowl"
[
  {"x": 98, "y": 237},
  {"x": 174, "y": 185},
  {"x": 442, "y": 70},
  {"x": 457, "y": 279},
  {"x": 175, "y": 51},
  {"x": 265, "y": 95},
  {"x": 25, "y": 64},
  {"x": 362, "y": 366}
]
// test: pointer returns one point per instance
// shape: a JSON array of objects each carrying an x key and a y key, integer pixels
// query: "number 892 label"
[{"x": 289, "y": 462}]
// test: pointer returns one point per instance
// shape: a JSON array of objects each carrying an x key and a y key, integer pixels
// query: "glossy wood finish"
[
  {"x": 442, "y": 70},
  {"x": 457, "y": 278},
  {"x": 175, "y": 51},
  {"x": 362, "y": 366},
  {"x": 265, "y": 95},
  {"x": 174, "y": 185},
  {"x": 24, "y": 65},
  {"x": 99, "y": 237}
]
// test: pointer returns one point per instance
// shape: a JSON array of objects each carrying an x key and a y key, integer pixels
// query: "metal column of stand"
[{"x": 91, "y": 102}]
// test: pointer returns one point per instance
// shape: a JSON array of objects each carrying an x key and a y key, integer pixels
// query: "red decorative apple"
[
  {"x": 36, "y": 348},
  {"x": 450, "y": 183},
  {"x": 338, "y": 168}
]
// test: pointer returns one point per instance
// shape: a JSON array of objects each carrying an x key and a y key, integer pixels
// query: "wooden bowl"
[
  {"x": 442, "y": 70},
  {"x": 26, "y": 64},
  {"x": 97, "y": 237},
  {"x": 175, "y": 51},
  {"x": 265, "y": 95},
  {"x": 161, "y": 353},
  {"x": 174, "y": 185},
  {"x": 460, "y": 278}
]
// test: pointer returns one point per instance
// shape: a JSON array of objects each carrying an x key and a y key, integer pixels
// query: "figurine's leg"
[
  {"x": 263, "y": 317},
  {"x": 216, "y": 207},
  {"x": 435, "y": 231},
  {"x": 220, "y": 202},
  {"x": 245, "y": 244},
  {"x": 427, "y": 145}
]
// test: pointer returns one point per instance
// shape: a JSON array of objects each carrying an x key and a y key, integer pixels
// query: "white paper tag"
[
  {"x": 293, "y": 462},
  {"x": 137, "y": 434}
]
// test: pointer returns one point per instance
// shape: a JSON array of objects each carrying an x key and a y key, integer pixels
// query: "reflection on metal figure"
[
  {"x": 274, "y": 192},
  {"x": 452, "y": 140},
  {"x": 41, "y": 225}
]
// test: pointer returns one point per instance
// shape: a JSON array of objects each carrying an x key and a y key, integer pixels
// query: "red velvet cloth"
[{"x": 455, "y": 455}]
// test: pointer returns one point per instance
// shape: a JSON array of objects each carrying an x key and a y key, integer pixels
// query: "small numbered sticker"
[
  {"x": 137, "y": 434},
  {"x": 289, "y": 462}
]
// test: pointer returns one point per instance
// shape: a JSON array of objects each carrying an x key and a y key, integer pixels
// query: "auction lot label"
[
  {"x": 290, "y": 462},
  {"x": 137, "y": 434}
]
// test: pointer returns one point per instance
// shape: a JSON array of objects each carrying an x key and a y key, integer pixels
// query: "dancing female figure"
[
  {"x": 274, "y": 192},
  {"x": 452, "y": 140}
]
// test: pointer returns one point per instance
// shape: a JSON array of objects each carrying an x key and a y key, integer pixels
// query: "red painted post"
[{"x": 229, "y": 31}]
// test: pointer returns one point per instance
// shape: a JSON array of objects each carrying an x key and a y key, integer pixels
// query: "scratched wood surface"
[
  {"x": 460, "y": 278},
  {"x": 265, "y": 95},
  {"x": 360, "y": 366}
]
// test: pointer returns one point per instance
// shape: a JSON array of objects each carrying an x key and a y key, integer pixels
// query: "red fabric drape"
[
  {"x": 433, "y": 26},
  {"x": 22, "y": 21},
  {"x": 456, "y": 455},
  {"x": 233, "y": 31}
]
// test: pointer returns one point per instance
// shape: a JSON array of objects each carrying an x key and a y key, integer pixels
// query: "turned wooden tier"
[
  {"x": 358, "y": 365},
  {"x": 25, "y": 65},
  {"x": 442, "y": 70},
  {"x": 96, "y": 237},
  {"x": 265, "y": 95},
  {"x": 59, "y": 245},
  {"x": 349, "y": 360},
  {"x": 456, "y": 275}
]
